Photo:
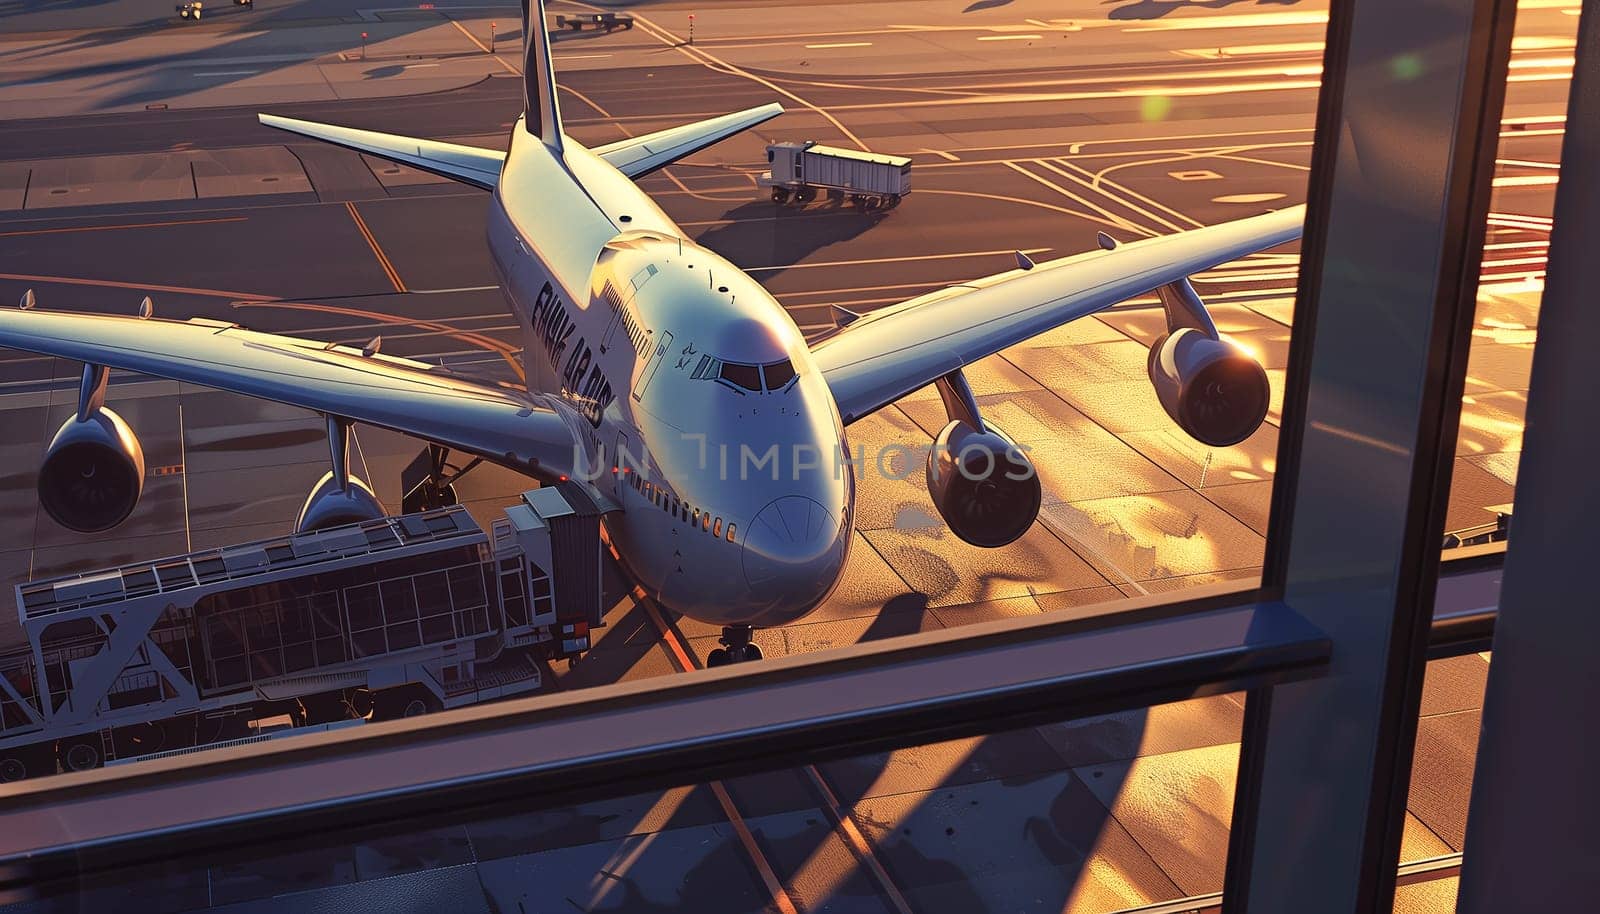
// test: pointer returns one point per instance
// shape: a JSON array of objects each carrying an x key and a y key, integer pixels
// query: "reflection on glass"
[{"x": 1092, "y": 815}]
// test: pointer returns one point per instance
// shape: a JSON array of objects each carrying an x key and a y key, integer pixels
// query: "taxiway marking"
[
  {"x": 113, "y": 228},
  {"x": 852, "y": 835},
  {"x": 715, "y": 63},
  {"x": 139, "y": 286},
  {"x": 483, "y": 47},
  {"x": 383, "y": 259}
]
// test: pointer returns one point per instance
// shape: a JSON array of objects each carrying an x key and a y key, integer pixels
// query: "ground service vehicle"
[
  {"x": 385, "y": 618},
  {"x": 607, "y": 21},
  {"x": 870, "y": 180}
]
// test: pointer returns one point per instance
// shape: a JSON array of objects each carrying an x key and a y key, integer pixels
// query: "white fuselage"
[{"x": 698, "y": 406}]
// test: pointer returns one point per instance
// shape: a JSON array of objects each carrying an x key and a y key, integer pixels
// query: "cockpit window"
[
  {"x": 778, "y": 373},
  {"x": 746, "y": 376}
]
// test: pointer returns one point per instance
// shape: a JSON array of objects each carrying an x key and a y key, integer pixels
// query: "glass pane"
[
  {"x": 1441, "y": 774},
  {"x": 746, "y": 376},
  {"x": 1528, "y": 166},
  {"x": 1087, "y": 816},
  {"x": 1092, "y": 815}
]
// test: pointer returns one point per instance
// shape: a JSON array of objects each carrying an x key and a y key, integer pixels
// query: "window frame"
[{"x": 716, "y": 723}]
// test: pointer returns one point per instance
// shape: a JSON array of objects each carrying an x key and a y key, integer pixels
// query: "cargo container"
[
  {"x": 383, "y": 619},
  {"x": 802, "y": 171}
]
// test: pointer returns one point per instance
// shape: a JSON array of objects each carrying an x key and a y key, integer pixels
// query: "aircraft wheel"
[
  {"x": 749, "y": 652},
  {"x": 23, "y": 762},
  {"x": 82, "y": 754},
  {"x": 398, "y": 703},
  {"x": 780, "y": 195},
  {"x": 718, "y": 657},
  {"x": 12, "y": 769},
  {"x": 805, "y": 195}
]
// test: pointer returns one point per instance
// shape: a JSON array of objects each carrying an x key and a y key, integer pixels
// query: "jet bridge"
[{"x": 385, "y": 618}]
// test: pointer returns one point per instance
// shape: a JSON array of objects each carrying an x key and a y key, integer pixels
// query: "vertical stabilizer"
[{"x": 543, "y": 115}]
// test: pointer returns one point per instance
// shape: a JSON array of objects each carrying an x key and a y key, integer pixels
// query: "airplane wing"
[
  {"x": 468, "y": 164},
  {"x": 641, "y": 155},
  {"x": 501, "y": 424},
  {"x": 879, "y": 358}
]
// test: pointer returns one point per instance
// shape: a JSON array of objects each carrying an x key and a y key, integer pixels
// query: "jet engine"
[
  {"x": 984, "y": 486},
  {"x": 1212, "y": 388},
  {"x": 333, "y": 505},
  {"x": 93, "y": 472}
]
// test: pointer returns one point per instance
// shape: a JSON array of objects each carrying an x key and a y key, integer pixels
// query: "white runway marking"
[{"x": 841, "y": 44}]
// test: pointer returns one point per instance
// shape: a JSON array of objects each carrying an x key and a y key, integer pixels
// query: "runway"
[{"x": 1107, "y": 121}]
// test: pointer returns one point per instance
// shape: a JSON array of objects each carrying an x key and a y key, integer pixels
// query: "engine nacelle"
[
  {"x": 93, "y": 473},
  {"x": 983, "y": 485},
  {"x": 329, "y": 505},
  {"x": 1213, "y": 389}
]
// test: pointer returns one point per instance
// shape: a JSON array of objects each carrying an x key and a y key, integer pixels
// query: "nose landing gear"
[{"x": 737, "y": 647}]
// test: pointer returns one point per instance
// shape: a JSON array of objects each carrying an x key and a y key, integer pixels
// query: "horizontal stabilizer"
[
  {"x": 467, "y": 164},
  {"x": 641, "y": 155}
]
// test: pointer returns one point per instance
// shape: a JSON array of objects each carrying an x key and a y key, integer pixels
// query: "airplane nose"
[{"x": 792, "y": 553}]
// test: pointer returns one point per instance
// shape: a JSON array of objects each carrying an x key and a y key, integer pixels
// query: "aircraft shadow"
[{"x": 763, "y": 234}]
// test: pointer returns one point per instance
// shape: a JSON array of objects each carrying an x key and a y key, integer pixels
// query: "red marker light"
[{"x": 363, "y": 34}]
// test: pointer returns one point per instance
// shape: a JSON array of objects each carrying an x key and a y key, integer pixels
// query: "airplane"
[{"x": 662, "y": 381}]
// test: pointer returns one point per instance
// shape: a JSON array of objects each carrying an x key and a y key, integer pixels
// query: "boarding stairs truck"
[
  {"x": 377, "y": 620},
  {"x": 869, "y": 180}
]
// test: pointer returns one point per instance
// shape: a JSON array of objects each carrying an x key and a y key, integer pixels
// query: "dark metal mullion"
[
  {"x": 1291, "y": 425},
  {"x": 1302, "y": 335},
  {"x": 625, "y": 739},
  {"x": 1246, "y": 797},
  {"x": 1455, "y": 309},
  {"x": 1531, "y": 844},
  {"x": 1408, "y": 129}
]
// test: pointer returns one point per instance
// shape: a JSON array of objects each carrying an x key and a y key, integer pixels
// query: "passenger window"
[
  {"x": 716, "y": 527},
  {"x": 705, "y": 522},
  {"x": 696, "y": 520},
  {"x": 730, "y": 532},
  {"x": 779, "y": 374},
  {"x": 746, "y": 376}
]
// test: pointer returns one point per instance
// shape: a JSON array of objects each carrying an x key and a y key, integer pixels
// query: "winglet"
[
  {"x": 1024, "y": 262},
  {"x": 844, "y": 317}
]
